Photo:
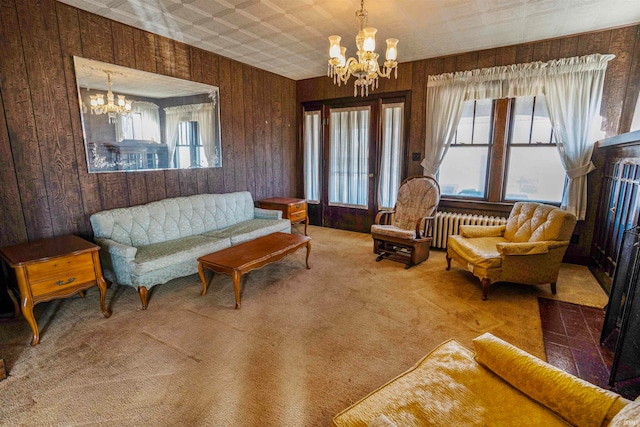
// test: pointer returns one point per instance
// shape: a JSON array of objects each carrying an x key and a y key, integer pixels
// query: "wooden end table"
[
  {"x": 244, "y": 257},
  {"x": 295, "y": 210},
  {"x": 54, "y": 268}
]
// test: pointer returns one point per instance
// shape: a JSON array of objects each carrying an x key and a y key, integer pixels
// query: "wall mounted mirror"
[{"x": 134, "y": 120}]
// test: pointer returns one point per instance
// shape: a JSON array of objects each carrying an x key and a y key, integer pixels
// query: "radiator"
[{"x": 448, "y": 223}]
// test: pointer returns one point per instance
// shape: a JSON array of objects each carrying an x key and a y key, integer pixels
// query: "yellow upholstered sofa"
[
  {"x": 498, "y": 385},
  {"x": 528, "y": 250}
]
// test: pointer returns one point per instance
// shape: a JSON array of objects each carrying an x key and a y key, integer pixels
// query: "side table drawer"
[
  {"x": 298, "y": 216},
  {"x": 58, "y": 274},
  {"x": 82, "y": 273}
]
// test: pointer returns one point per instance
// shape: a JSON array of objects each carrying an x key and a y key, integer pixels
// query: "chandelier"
[
  {"x": 111, "y": 108},
  {"x": 365, "y": 68}
]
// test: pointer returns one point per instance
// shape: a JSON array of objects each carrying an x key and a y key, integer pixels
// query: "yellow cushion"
[
  {"x": 448, "y": 388},
  {"x": 481, "y": 251},
  {"x": 482, "y": 230},
  {"x": 577, "y": 401}
]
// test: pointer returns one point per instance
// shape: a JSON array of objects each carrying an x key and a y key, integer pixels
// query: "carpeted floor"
[
  {"x": 571, "y": 336},
  {"x": 306, "y": 343}
]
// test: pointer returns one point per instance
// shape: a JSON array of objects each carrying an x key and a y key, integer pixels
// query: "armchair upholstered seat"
[
  {"x": 528, "y": 250},
  {"x": 404, "y": 234}
]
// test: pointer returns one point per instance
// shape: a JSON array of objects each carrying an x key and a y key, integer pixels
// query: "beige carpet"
[{"x": 306, "y": 343}]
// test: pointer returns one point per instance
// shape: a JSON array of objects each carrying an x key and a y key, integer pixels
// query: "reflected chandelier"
[
  {"x": 113, "y": 109},
  {"x": 366, "y": 67}
]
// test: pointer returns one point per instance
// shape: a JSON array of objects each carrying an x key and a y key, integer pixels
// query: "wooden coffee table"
[{"x": 244, "y": 257}]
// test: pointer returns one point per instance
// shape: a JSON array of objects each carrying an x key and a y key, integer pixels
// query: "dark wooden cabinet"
[{"x": 618, "y": 160}]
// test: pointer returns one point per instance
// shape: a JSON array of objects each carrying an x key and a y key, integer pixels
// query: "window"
[
  {"x": 534, "y": 170},
  {"x": 189, "y": 149},
  {"x": 503, "y": 150},
  {"x": 463, "y": 171},
  {"x": 312, "y": 137},
  {"x": 391, "y": 158},
  {"x": 349, "y": 157}
]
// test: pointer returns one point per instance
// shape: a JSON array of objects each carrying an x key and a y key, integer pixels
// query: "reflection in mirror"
[{"x": 134, "y": 120}]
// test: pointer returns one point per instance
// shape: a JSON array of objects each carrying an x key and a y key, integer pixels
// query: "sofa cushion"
[
  {"x": 448, "y": 388},
  {"x": 158, "y": 255},
  {"x": 481, "y": 251},
  {"x": 577, "y": 401},
  {"x": 249, "y": 230}
]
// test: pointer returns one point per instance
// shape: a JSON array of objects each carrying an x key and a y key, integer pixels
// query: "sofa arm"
[
  {"x": 522, "y": 248},
  {"x": 482, "y": 230},
  {"x": 117, "y": 249},
  {"x": 575, "y": 400},
  {"x": 266, "y": 213}
]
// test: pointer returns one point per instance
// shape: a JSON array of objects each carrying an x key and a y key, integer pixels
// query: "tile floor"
[{"x": 572, "y": 343}]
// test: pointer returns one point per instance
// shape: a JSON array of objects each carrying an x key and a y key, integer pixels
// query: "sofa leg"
[
  {"x": 553, "y": 288},
  {"x": 142, "y": 292},
  {"x": 448, "y": 261},
  {"x": 485, "y": 288}
]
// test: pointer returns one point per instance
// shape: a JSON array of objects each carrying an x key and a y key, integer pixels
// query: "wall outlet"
[{"x": 415, "y": 157}]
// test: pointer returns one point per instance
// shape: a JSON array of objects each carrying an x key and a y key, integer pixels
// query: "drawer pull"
[{"x": 62, "y": 282}]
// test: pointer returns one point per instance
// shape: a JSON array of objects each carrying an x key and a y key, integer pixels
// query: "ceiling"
[{"x": 289, "y": 37}]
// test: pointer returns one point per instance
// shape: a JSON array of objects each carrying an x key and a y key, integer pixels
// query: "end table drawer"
[
  {"x": 298, "y": 207},
  {"x": 298, "y": 216},
  {"x": 64, "y": 266},
  {"x": 82, "y": 273}
]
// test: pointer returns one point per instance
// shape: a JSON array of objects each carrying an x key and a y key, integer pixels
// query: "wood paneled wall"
[
  {"x": 619, "y": 95},
  {"x": 45, "y": 189}
]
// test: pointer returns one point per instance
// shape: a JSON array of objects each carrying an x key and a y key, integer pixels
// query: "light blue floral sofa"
[{"x": 147, "y": 245}]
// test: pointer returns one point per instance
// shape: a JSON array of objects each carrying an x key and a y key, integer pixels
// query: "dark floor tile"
[
  {"x": 579, "y": 333},
  {"x": 583, "y": 344}
]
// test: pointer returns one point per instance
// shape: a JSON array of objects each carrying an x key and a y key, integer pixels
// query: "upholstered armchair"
[
  {"x": 528, "y": 250},
  {"x": 404, "y": 234}
]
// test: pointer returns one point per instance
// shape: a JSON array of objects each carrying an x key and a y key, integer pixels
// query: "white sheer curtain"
[
  {"x": 312, "y": 131},
  {"x": 201, "y": 113},
  {"x": 573, "y": 91},
  {"x": 349, "y": 162},
  {"x": 572, "y": 88},
  {"x": 390, "y": 163},
  {"x": 143, "y": 123},
  {"x": 445, "y": 102}
]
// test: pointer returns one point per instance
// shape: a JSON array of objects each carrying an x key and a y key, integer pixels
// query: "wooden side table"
[
  {"x": 295, "y": 210},
  {"x": 54, "y": 268}
]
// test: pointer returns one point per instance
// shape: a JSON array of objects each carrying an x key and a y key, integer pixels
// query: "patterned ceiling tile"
[{"x": 289, "y": 37}]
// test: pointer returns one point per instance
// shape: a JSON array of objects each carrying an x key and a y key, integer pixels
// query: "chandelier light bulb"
[
  {"x": 392, "y": 49},
  {"x": 334, "y": 46},
  {"x": 369, "y": 44},
  {"x": 112, "y": 107}
]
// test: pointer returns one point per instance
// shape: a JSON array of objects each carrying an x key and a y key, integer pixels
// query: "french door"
[{"x": 353, "y": 160}]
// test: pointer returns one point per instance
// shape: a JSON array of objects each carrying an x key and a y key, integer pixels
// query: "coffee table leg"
[
  {"x": 236, "y": 286},
  {"x": 308, "y": 253},
  {"x": 204, "y": 281}
]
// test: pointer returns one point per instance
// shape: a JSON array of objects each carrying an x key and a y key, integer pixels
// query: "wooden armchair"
[{"x": 404, "y": 234}]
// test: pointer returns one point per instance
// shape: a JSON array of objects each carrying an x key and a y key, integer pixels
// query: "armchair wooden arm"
[{"x": 387, "y": 216}]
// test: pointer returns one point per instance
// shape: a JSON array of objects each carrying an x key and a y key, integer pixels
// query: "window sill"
[{"x": 480, "y": 205}]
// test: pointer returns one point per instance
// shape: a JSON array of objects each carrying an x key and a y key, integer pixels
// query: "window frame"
[{"x": 497, "y": 168}]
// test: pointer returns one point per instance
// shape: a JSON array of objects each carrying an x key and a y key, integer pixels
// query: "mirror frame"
[{"x": 137, "y": 140}]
